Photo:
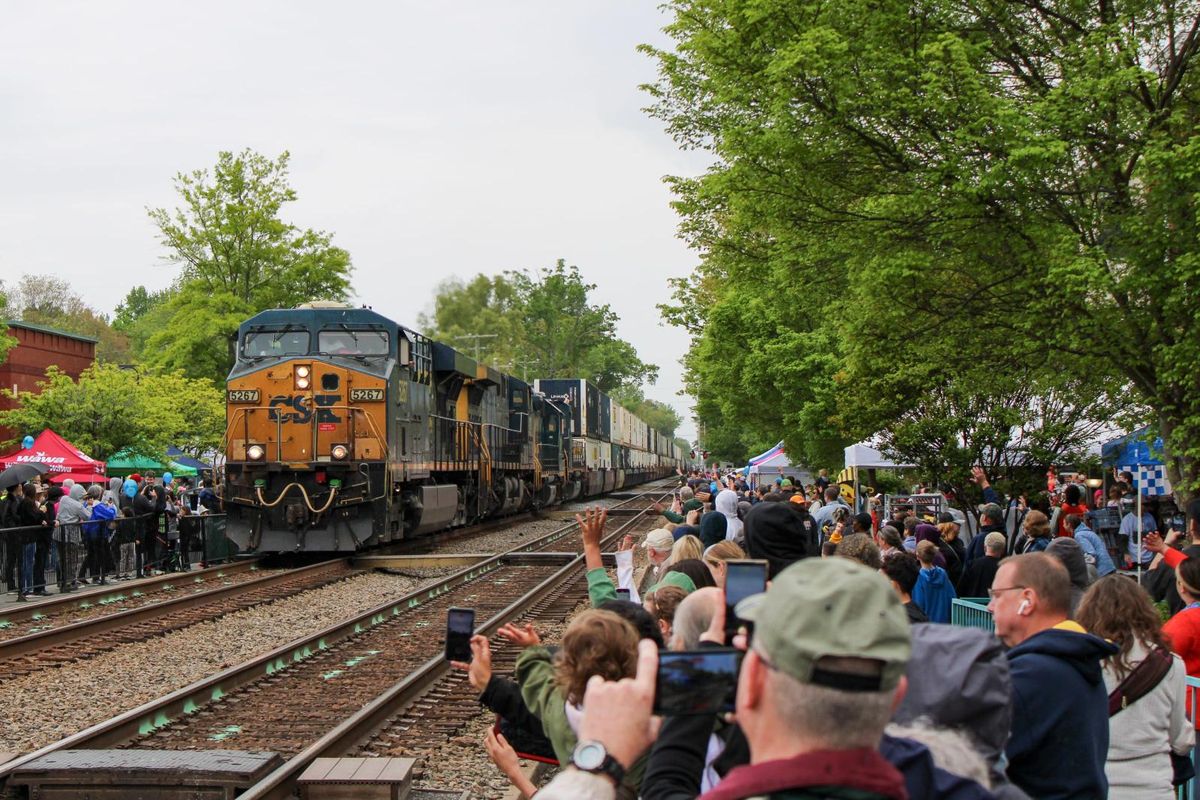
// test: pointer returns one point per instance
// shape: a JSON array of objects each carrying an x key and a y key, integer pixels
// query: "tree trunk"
[{"x": 1181, "y": 470}]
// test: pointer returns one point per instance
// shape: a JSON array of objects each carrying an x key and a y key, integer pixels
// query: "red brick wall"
[{"x": 35, "y": 351}]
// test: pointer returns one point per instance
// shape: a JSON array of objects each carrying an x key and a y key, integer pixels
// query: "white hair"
[{"x": 951, "y": 749}]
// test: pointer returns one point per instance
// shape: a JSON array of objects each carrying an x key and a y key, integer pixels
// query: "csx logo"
[{"x": 299, "y": 410}]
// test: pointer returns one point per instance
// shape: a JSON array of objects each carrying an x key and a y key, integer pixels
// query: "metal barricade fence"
[
  {"x": 971, "y": 612},
  {"x": 34, "y": 558}
]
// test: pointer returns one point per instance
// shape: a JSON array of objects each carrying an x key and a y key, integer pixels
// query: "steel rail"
[{"x": 74, "y": 601}]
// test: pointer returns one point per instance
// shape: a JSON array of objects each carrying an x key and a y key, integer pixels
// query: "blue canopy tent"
[
  {"x": 1134, "y": 454},
  {"x": 179, "y": 457}
]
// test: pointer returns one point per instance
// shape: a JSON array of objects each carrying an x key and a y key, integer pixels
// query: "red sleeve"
[
  {"x": 1173, "y": 557},
  {"x": 1179, "y": 635}
]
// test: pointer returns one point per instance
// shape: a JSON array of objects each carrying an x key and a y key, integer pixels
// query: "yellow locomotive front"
[{"x": 306, "y": 442}]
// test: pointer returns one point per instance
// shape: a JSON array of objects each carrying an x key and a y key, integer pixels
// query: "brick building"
[{"x": 38, "y": 348}]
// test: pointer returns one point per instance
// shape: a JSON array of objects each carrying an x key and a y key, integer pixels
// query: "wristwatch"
[{"x": 590, "y": 756}]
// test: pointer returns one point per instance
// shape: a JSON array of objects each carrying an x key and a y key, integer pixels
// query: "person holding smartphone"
[{"x": 844, "y": 667}]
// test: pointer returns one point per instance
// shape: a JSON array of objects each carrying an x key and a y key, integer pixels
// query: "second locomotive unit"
[{"x": 346, "y": 430}]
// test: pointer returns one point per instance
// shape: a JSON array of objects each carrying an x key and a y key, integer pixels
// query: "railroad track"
[
  {"x": 93, "y": 602},
  {"x": 322, "y": 693},
  {"x": 55, "y": 646}
]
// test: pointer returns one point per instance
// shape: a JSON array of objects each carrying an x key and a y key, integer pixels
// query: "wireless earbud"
[{"x": 1021, "y": 609}]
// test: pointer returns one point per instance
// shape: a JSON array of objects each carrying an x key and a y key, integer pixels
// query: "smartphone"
[
  {"x": 743, "y": 578},
  {"x": 460, "y": 627},
  {"x": 696, "y": 681},
  {"x": 622, "y": 594},
  {"x": 1178, "y": 522}
]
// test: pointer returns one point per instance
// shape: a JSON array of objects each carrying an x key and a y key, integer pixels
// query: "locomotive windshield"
[
  {"x": 262, "y": 343},
  {"x": 349, "y": 342}
]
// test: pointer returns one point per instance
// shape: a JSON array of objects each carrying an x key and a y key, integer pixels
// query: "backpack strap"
[{"x": 1140, "y": 681}]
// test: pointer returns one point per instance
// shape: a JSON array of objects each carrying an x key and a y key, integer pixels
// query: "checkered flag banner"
[{"x": 1150, "y": 478}]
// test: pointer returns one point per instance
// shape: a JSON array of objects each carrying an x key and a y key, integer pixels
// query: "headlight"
[
  {"x": 340, "y": 452},
  {"x": 301, "y": 383},
  {"x": 301, "y": 372},
  {"x": 255, "y": 452}
]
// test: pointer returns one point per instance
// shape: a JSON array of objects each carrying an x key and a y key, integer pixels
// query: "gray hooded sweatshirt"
[{"x": 71, "y": 513}]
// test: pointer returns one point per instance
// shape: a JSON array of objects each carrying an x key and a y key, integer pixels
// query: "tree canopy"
[
  {"x": 537, "y": 324},
  {"x": 110, "y": 409},
  {"x": 919, "y": 210},
  {"x": 237, "y": 256}
]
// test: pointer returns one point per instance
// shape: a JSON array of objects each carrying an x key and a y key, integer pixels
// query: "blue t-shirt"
[
  {"x": 1093, "y": 546},
  {"x": 1129, "y": 526}
]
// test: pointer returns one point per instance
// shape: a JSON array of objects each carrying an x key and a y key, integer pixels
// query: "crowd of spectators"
[
  {"x": 851, "y": 683},
  {"x": 125, "y": 528}
]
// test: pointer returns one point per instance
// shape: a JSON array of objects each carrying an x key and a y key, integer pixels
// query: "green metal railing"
[{"x": 971, "y": 612}]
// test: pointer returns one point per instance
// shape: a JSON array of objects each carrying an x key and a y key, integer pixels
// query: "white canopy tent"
[{"x": 863, "y": 456}]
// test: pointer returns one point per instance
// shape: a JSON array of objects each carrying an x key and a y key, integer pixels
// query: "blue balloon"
[
  {"x": 129, "y": 487},
  {"x": 166, "y": 478},
  {"x": 27, "y": 443}
]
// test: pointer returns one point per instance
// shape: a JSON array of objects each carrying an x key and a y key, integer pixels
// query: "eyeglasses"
[{"x": 993, "y": 592}]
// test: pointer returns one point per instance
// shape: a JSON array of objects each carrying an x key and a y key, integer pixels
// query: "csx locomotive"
[{"x": 346, "y": 430}]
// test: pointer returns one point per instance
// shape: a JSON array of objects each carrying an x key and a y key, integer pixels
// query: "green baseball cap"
[{"x": 821, "y": 607}]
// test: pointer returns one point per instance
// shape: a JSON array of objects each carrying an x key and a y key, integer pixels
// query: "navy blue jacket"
[
  {"x": 1059, "y": 736},
  {"x": 923, "y": 779},
  {"x": 976, "y": 549}
]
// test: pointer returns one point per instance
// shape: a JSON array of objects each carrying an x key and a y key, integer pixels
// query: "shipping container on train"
[{"x": 346, "y": 430}]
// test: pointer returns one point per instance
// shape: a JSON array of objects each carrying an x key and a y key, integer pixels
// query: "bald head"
[
  {"x": 693, "y": 616},
  {"x": 1045, "y": 575}
]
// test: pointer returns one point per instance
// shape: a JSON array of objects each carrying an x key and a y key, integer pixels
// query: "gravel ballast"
[{"x": 44, "y": 707}]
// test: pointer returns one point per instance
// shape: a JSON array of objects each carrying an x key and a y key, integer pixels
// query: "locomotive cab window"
[
  {"x": 350, "y": 342},
  {"x": 265, "y": 343}
]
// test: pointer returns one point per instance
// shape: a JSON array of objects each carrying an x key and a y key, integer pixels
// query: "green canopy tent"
[{"x": 126, "y": 463}]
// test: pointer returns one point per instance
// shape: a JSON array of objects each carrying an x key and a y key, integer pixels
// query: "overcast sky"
[{"x": 431, "y": 139}]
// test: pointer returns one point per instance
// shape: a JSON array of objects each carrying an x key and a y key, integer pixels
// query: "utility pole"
[{"x": 476, "y": 337}]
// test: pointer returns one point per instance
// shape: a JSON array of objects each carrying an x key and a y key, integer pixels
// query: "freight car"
[{"x": 346, "y": 430}]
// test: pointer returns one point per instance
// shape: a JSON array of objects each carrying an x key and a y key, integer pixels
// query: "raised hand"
[
  {"x": 525, "y": 637},
  {"x": 479, "y": 671},
  {"x": 505, "y": 758},
  {"x": 591, "y": 525}
]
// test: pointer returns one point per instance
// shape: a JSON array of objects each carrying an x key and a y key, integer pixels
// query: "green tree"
[
  {"x": 659, "y": 416},
  {"x": 1026, "y": 171},
  {"x": 483, "y": 305},
  {"x": 540, "y": 324},
  {"x": 110, "y": 409},
  {"x": 137, "y": 304},
  {"x": 237, "y": 257},
  {"x": 51, "y": 302}
]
